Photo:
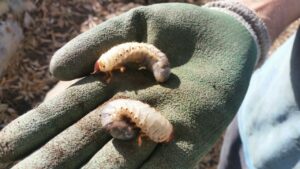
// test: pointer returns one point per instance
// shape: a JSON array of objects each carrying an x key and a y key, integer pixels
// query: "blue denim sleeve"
[{"x": 269, "y": 117}]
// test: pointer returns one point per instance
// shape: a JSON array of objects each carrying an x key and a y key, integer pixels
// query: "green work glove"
[{"x": 212, "y": 55}]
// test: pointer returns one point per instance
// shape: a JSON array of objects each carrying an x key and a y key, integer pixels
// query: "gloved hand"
[{"x": 212, "y": 55}]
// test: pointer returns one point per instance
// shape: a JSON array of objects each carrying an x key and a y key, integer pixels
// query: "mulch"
[{"x": 49, "y": 27}]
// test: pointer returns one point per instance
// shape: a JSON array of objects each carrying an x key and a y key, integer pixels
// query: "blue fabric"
[{"x": 269, "y": 117}]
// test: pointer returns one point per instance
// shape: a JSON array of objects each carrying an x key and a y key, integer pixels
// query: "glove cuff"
[{"x": 251, "y": 21}]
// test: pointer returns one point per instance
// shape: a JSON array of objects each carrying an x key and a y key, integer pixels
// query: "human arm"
[
  {"x": 266, "y": 102},
  {"x": 276, "y": 14}
]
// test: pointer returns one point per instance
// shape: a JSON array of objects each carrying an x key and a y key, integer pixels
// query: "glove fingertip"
[
  {"x": 58, "y": 70},
  {"x": 62, "y": 65}
]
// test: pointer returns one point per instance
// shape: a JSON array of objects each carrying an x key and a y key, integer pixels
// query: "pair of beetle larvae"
[{"x": 126, "y": 118}]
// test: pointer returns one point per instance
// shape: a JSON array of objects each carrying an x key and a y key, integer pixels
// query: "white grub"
[
  {"x": 133, "y": 52},
  {"x": 122, "y": 116}
]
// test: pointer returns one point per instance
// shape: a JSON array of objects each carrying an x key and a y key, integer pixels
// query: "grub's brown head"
[
  {"x": 170, "y": 138},
  {"x": 99, "y": 67},
  {"x": 121, "y": 130},
  {"x": 96, "y": 67}
]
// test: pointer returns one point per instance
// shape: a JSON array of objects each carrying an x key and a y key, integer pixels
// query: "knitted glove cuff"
[{"x": 250, "y": 20}]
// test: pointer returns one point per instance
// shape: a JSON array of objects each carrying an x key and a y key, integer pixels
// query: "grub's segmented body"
[
  {"x": 141, "y": 53},
  {"x": 150, "y": 121}
]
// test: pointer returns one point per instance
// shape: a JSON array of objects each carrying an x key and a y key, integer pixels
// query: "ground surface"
[{"x": 51, "y": 25}]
